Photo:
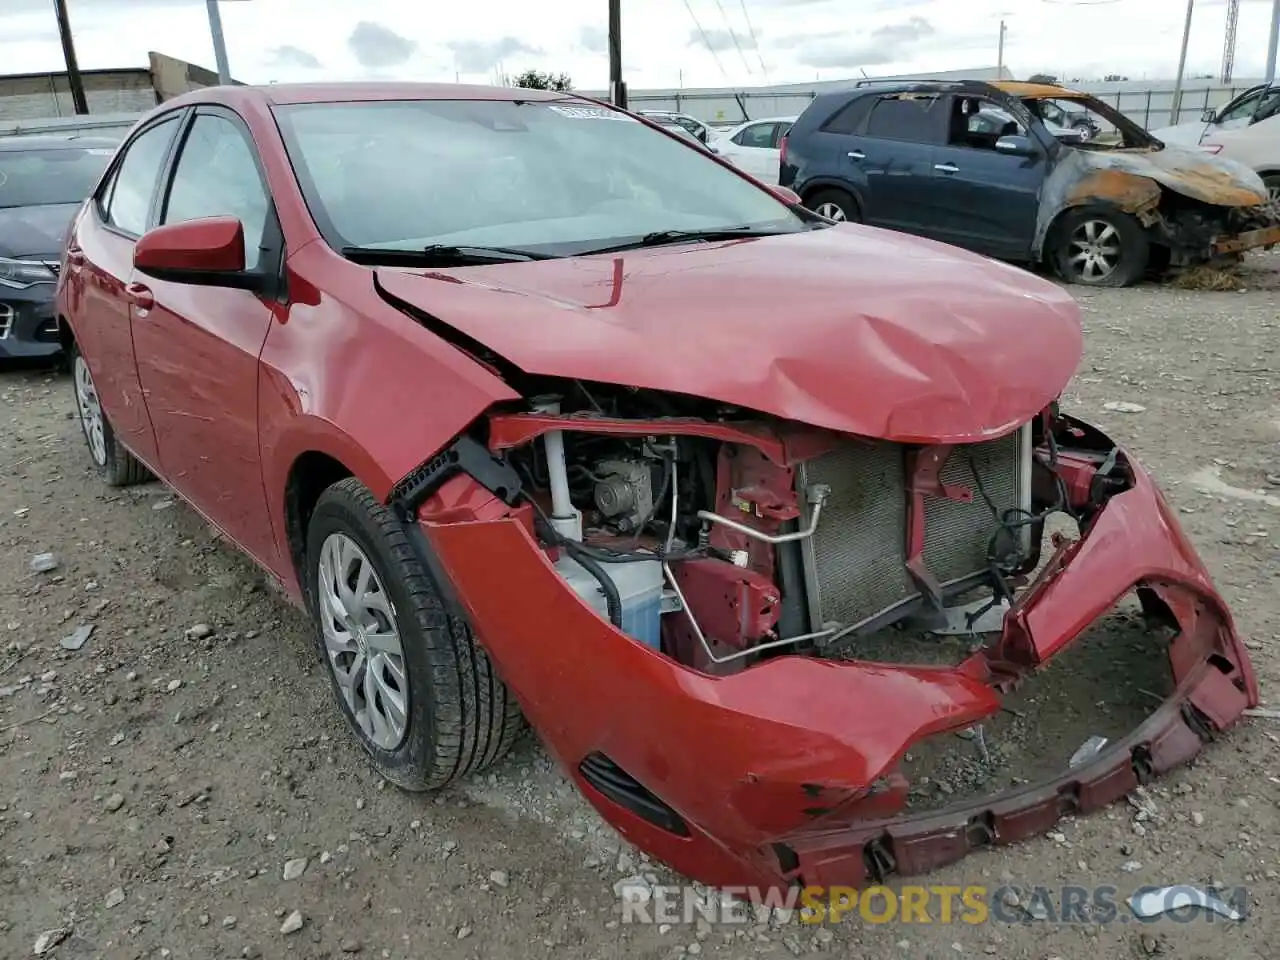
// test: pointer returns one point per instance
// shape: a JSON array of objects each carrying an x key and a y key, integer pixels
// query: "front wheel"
[
  {"x": 413, "y": 684},
  {"x": 1272, "y": 181},
  {"x": 1100, "y": 248}
]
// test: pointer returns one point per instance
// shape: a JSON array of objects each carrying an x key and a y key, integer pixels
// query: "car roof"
[
  {"x": 55, "y": 142},
  {"x": 1034, "y": 91},
  {"x": 282, "y": 94}
]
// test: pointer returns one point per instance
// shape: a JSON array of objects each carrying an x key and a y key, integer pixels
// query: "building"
[{"x": 30, "y": 97}]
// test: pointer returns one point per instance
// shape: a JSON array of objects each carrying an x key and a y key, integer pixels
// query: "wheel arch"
[
  {"x": 1046, "y": 237},
  {"x": 821, "y": 184},
  {"x": 310, "y": 475}
]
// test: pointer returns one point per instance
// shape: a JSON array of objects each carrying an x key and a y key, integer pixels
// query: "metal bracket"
[
  {"x": 967, "y": 619},
  {"x": 924, "y": 468}
]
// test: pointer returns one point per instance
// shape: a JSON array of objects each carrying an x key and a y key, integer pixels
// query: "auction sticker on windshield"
[{"x": 590, "y": 113}]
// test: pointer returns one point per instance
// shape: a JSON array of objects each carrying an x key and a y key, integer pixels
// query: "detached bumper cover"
[{"x": 787, "y": 771}]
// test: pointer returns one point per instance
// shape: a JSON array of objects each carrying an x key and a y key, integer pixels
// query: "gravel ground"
[{"x": 159, "y": 784}]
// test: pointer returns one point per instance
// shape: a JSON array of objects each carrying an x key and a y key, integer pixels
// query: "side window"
[
  {"x": 216, "y": 176},
  {"x": 128, "y": 198},
  {"x": 1270, "y": 105},
  {"x": 849, "y": 118},
  {"x": 1241, "y": 109},
  {"x": 907, "y": 117},
  {"x": 762, "y": 135},
  {"x": 977, "y": 123}
]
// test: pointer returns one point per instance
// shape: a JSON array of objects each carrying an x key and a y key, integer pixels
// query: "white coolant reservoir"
[{"x": 639, "y": 586}]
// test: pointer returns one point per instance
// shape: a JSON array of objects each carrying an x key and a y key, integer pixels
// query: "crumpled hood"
[
  {"x": 1188, "y": 171},
  {"x": 35, "y": 231},
  {"x": 849, "y": 328}
]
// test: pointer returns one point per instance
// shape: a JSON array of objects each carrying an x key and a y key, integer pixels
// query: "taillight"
[{"x": 782, "y": 151}]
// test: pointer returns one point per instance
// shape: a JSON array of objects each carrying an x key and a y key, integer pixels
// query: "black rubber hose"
[{"x": 611, "y": 598}]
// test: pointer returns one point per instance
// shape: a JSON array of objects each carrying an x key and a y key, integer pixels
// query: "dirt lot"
[{"x": 154, "y": 782}]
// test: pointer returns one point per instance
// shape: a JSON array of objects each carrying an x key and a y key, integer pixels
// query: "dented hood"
[
  {"x": 1190, "y": 172},
  {"x": 849, "y": 328}
]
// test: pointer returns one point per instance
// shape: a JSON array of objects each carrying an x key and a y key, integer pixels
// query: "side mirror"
[
  {"x": 786, "y": 195},
  {"x": 207, "y": 252},
  {"x": 1018, "y": 146},
  {"x": 1209, "y": 116}
]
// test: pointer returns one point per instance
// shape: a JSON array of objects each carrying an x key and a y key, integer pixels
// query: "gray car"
[{"x": 43, "y": 182}]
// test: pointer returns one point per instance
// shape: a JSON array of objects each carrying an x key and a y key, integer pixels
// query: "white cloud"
[{"x": 798, "y": 40}]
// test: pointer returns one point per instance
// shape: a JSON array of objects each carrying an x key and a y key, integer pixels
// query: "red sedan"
[{"x": 541, "y": 412}]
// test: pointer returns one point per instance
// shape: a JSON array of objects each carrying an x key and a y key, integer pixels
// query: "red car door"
[
  {"x": 99, "y": 262},
  {"x": 197, "y": 346}
]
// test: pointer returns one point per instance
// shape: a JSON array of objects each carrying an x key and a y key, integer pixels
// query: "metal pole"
[
  {"x": 1176, "y": 105},
  {"x": 219, "y": 44},
  {"x": 1271, "y": 46},
  {"x": 74, "y": 80},
  {"x": 617, "y": 89},
  {"x": 1000, "y": 54}
]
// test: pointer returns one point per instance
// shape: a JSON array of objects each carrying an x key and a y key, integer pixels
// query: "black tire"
[
  {"x": 1272, "y": 181},
  {"x": 114, "y": 463},
  {"x": 838, "y": 200},
  {"x": 1119, "y": 241},
  {"x": 1085, "y": 130},
  {"x": 461, "y": 718}
]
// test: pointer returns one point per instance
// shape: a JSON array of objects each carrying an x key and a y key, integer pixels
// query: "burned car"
[
  {"x": 919, "y": 157},
  {"x": 643, "y": 461}
]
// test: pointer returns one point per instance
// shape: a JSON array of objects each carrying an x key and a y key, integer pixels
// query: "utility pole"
[
  {"x": 74, "y": 80},
  {"x": 1271, "y": 46},
  {"x": 617, "y": 89},
  {"x": 1000, "y": 53},
  {"x": 219, "y": 44},
  {"x": 1176, "y": 106}
]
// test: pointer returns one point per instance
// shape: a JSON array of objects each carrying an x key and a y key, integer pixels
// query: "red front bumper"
[{"x": 786, "y": 770}]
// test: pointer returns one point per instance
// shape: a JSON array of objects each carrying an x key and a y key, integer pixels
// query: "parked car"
[
  {"x": 906, "y": 157},
  {"x": 679, "y": 129},
  {"x": 1256, "y": 146},
  {"x": 754, "y": 146},
  {"x": 1253, "y": 106},
  {"x": 581, "y": 424},
  {"x": 43, "y": 182},
  {"x": 1066, "y": 116},
  {"x": 699, "y": 130}
]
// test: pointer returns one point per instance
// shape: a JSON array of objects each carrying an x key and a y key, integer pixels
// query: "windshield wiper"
[
  {"x": 661, "y": 238},
  {"x": 439, "y": 255}
]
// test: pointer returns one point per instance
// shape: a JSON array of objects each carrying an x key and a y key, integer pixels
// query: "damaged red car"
[{"x": 543, "y": 414}]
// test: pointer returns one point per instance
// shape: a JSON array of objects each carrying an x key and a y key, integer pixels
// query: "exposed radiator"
[{"x": 855, "y": 564}]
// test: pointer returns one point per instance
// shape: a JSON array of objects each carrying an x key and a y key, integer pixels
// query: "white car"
[
  {"x": 1256, "y": 146},
  {"x": 1253, "y": 106},
  {"x": 754, "y": 146}
]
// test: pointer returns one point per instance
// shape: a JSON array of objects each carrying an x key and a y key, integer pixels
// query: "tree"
[
  {"x": 537, "y": 80},
  {"x": 1042, "y": 78}
]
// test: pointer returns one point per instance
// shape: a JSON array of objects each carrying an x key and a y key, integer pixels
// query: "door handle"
[
  {"x": 946, "y": 167},
  {"x": 140, "y": 296},
  {"x": 857, "y": 155}
]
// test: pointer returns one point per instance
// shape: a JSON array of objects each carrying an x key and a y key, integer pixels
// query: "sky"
[{"x": 666, "y": 43}]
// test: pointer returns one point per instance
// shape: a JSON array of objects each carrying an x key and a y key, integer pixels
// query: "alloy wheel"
[
  {"x": 90, "y": 409},
  {"x": 832, "y": 211},
  {"x": 1094, "y": 251},
  {"x": 362, "y": 641}
]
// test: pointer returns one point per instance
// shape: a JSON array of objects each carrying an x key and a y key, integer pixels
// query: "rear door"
[
  {"x": 985, "y": 200},
  {"x": 895, "y": 155},
  {"x": 754, "y": 148},
  {"x": 99, "y": 262},
  {"x": 198, "y": 346}
]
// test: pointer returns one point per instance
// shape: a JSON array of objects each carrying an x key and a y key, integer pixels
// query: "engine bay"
[{"x": 719, "y": 538}]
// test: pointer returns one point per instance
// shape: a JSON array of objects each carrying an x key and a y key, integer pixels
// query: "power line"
[
  {"x": 710, "y": 49},
  {"x": 733, "y": 36},
  {"x": 755, "y": 40}
]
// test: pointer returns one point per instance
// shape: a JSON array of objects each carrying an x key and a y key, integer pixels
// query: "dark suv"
[
  {"x": 927, "y": 158},
  {"x": 43, "y": 182}
]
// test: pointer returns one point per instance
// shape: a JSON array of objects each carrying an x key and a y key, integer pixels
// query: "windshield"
[
  {"x": 36, "y": 177},
  {"x": 557, "y": 178},
  {"x": 1103, "y": 127}
]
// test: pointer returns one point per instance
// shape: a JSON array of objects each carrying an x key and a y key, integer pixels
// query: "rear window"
[
  {"x": 904, "y": 118},
  {"x": 39, "y": 177}
]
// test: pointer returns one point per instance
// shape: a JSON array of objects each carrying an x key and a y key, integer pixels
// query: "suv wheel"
[
  {"x": 1100, "y": 248},
  {"x": 835, "y": 205}
]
